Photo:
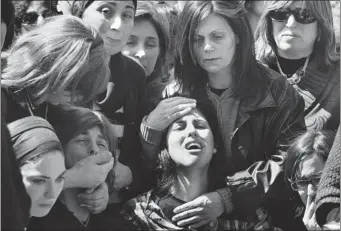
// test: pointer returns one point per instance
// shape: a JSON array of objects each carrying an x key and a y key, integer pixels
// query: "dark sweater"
[
  {"x": 60, "y": 218},
  {"x": 320, "y": 90},
  {"x": 129, "y": 93},
  {"x": 328, "y": 193}
]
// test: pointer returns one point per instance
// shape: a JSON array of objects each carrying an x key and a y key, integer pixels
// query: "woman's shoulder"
[
  {"x": 10, "y": 108},
  {"x": 127, "y": 65}
]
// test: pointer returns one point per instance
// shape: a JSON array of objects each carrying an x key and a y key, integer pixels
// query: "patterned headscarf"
[{"x": 32, "y": 136}]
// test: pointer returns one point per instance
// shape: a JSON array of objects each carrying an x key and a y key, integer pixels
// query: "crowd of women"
[{"x": 169, "y": 115}]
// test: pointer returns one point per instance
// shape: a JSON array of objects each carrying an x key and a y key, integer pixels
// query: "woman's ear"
[{"x": 214, "y": 150}]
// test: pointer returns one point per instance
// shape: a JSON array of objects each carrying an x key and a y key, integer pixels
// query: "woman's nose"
[
  {"x": 140, "y": 53},
  {"x": 291, "y": 22},
  {"x": 51, "y": 191},
  {"x": 116, "y": 23},
  {"x": 93, "y": 149},
  {"x": 40, "y": 19},
  {"x": 191, "y": 130},
  {"x": 208, "y": 47}
]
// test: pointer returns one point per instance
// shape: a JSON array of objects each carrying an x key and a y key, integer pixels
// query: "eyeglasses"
[
  {"x": 303, "y": 16},
  {"x": 303, "y": 184}
]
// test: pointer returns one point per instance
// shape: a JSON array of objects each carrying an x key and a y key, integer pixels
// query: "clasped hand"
[{"x": 199, "y": 211}]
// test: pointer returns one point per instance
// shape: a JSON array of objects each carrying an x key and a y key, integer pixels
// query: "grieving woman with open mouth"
[
  {"x": 297, "y": 39},
  {"x": 188, "y": 166},
  {"x": 184, "y": 171},
  {"x": 256, "y": 109},
  {"x": 41, "y": 160}
]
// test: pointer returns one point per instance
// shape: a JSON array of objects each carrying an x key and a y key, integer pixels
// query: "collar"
[{"x": 260, "y": 96}]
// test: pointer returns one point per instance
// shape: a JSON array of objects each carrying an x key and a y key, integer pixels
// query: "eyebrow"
[
  {"x": 214, "y": 31},
  {"x": 151, "y": 37},
  {"x": 62, "y": 174},
  {"x": 101, "y": 137},
  {"x": 114, "y": 4}
]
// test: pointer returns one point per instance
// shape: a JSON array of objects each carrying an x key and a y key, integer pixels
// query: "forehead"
[
  {"x": 94, "y": 131},
  {"x": 311, "y": 165},
  {"x": 120, "y": 4},
  {"x": 144, "y": 27},
  {"x": 36, "y": 6},
  {"x": 211, "y": 23},
  {"x": 298, "y": 4},
  {"x": 51, "y": 165},
  {"x": 194, "y": 114}
]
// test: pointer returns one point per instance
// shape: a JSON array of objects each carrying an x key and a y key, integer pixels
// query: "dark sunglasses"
[
  {"x": 303, "y": 16},
  {"x": 32, "y": 17}
]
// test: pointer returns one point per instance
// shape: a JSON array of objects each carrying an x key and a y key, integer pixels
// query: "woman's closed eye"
[
  {"x": 217, "y": 36},
  {"x": 38, "y": 181},
  {"x": 128, "y": 15},
  {"x": 178, "y": 126},
  {"x": 200, "y": 124},
  {"x": 60, "y": 179},
  {"x": 198, "y": 39},
  {"x": 102, "y": 143},
  {"x": 151, "y": 44}
]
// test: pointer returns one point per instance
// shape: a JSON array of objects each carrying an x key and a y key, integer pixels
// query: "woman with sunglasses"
[
  {"x": 307, "y": 156},
  {"x": 29, "y": 14},
  {"x": 296, "y": 39}
]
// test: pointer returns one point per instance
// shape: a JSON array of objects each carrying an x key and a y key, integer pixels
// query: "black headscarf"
[{"x": 32, "y": 136}]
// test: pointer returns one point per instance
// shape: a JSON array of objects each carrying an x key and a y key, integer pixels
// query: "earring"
[{"x": 214, "y": 150}]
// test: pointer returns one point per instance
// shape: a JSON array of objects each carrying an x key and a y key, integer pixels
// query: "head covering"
[
  {"x": 79, "y": 7},
  {"x": 70, "y": 121},
  {"x": 32, "y": 136}
]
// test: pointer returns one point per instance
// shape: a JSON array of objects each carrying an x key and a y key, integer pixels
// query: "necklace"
[
  {"x": 295, "y": 78},
  {"x": 31, "y": 107},
  {"x": 84, "y": 223}
]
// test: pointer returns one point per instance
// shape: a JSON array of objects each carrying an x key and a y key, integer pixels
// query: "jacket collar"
[{"x": 258, "y": 98}]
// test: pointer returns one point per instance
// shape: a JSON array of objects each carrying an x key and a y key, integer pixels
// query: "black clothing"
[
  {"x": 15, "y": 202},
  {"x": 129, "y": 93},
  {"x": 60, "y": 218}
]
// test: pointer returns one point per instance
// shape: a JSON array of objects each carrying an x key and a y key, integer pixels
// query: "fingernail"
[{"x": 82, "y": 205}]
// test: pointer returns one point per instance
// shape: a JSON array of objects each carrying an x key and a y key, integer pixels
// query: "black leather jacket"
[{"x": 265, "y": 123}]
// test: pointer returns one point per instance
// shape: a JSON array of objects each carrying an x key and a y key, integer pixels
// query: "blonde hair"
[
  {"x": 325, "y": 45},
  {"x": 62, "y": 54}
]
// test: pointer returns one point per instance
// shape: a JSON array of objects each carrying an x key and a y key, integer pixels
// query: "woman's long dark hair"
[
  {"x": 166, "y": 167},
  {"x": 310, "y": 143},
  {"x": 246, "y": 70},
  {"x": 153, "y": 13}
]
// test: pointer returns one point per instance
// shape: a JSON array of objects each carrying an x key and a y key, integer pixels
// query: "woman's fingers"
[
  {"x": 187, "y": 213},
  {"x": 189, "y": 221}
]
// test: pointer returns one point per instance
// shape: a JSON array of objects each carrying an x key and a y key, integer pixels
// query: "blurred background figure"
[
  {"x": 29, "y": 14},
  {"x": 254, "y": 10},
  {"x": 307, "y": 156},
  {"x": 336, "y": 18}
]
